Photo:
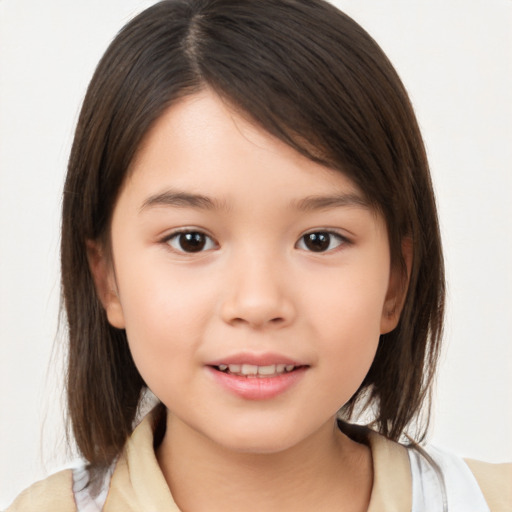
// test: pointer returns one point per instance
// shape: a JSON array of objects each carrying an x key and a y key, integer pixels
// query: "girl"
[{"x": 249, "y": 231}]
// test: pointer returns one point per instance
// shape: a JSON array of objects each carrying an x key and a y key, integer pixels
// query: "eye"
[
  {"x": 190, "y": 241},
  {"x": 320, "y": 241}
]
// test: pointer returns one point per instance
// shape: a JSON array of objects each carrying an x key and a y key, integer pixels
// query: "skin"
[{"x": 255, "y": 288}]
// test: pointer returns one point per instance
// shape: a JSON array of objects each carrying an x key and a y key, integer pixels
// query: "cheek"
[
  {"x": 165, "y": 315},
  {"x": 350, "y": 302},
  {"x": 158, "y": 294},
  {"x": 349, "y": 315}
]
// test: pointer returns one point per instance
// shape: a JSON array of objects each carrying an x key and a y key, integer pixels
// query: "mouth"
[
  {"x": 255, "y": 371},
  {"x": 252, "y": 376}
]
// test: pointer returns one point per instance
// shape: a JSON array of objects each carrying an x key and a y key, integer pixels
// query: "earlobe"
[
  {"x": 397, "y": 289},
  {"x": 105, "y": 283}
]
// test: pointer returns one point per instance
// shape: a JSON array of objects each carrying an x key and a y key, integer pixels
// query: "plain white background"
[{"x": 455, "y": 59}]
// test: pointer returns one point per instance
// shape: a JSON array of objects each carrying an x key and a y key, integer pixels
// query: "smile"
[
  {"x": 251, "y": 370},
  {"x": 257, "y": 382}
]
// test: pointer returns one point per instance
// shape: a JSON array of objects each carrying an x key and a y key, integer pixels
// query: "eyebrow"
[
  {"x": 312, "y": 203},
  {"x": 182, "y": 200}
]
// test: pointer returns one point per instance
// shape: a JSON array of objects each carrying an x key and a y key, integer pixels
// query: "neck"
[{"x": 327, "y": 471}]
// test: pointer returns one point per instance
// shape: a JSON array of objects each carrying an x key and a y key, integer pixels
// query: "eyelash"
[{"x": 203, "y": 240}]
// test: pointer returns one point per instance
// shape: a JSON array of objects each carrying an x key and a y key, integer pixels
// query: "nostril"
[{"x": 258, "y": 322}]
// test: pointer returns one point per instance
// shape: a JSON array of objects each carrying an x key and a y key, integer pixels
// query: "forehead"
[{"x": 204, "y": 144}]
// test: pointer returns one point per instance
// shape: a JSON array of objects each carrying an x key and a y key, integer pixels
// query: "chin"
[
  {"x": 260, "y": 439},
  {"x": 258, "y": 446}
]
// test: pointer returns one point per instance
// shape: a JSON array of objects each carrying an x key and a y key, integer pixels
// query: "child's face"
[{"x": 229, "y": 248}]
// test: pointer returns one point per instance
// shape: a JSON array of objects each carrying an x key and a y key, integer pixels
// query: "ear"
[
  {"x": 105, "y": 282},
  {"x": 397, "y": 289}
]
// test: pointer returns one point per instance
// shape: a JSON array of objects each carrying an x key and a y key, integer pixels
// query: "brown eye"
[
  {"x": 320, "y": 241},
  {"x": 190, "y": 241}
]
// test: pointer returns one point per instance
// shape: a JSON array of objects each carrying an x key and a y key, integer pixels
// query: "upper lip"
[{"x": 265, "y": 359}]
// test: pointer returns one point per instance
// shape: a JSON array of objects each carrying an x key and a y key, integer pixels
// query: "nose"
[{"x": 257, "y": 295}]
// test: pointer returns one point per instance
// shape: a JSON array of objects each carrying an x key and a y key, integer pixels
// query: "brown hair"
[{"x": 309, "y": 75}]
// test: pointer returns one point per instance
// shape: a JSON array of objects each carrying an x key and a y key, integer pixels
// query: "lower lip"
[{"x": 258, "y": 388}]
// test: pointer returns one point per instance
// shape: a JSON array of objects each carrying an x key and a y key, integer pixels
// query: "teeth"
[
  {"x": 249, "y": 369},
  {"x": 252, "y": 370},
  {"x": 267, "y": 370}
]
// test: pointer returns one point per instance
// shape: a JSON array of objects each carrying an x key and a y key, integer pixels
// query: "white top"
[
  {"x": 84, "y": 501},
  {"x": 452, "y": 488}
]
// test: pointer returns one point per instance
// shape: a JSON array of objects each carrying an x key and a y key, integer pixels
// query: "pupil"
[
  {"x": 317, "y": 242},
  {"x": 192, "y": 242}
]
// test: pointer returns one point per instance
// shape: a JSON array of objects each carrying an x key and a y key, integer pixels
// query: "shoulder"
[
  {"x": 463, "y": 485},
  {"x": 435, "y": 479},
  {"x": 495, "y": 480},
  {"x": 54, "y": 494}
]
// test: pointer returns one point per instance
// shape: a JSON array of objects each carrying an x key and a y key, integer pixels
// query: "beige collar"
[
  {"x": 138, "y": 484},
  {"x": 392, "y": 481}
]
